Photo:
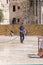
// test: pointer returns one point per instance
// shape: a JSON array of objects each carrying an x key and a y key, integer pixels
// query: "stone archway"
[{"x": 14, "y": 21}]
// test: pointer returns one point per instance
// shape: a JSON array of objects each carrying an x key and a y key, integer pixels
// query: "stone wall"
[
  {"x": 26, "y": 11},
  {"x": 19, "y": 13}
]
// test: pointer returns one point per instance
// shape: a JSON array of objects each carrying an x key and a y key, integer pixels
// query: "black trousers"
[{"x": 21, "y": 36}]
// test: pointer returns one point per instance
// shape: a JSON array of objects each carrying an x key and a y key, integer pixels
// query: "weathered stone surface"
[
  {"x": 28, "y": 12},
  {"x": 21, "y": 13}
]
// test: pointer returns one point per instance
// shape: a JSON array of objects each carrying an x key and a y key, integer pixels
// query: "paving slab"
[{"x": 13, "y": 52}]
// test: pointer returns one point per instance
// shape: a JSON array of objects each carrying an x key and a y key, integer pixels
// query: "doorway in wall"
[{"x": 14, "y": 21}]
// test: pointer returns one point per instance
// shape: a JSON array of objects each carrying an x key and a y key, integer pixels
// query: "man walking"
[{"x": 21, "y": 32}]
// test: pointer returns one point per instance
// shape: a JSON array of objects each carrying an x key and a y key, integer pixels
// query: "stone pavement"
[{"x": 13, "y": 52}]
